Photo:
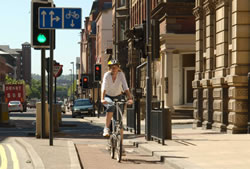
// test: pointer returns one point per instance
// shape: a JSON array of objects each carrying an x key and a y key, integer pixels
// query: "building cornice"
[
  {"x": 220, "y": 3},
  {"x": 197, "y": 12},
  {"x": 209, "y": 7}
]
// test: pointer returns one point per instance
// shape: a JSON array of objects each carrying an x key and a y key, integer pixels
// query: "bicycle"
[{"x": 115, "y": 140}]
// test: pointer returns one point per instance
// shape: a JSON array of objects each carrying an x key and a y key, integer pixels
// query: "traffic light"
[
  {"x": 85, "y": 82},
  {"x": 139, "y": 39},
  {"x": 98, "y": 72},
  {"x": 81, "y": 82},
  {"x": 40, "y": 38}
]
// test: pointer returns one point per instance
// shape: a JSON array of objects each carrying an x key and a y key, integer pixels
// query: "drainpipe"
[
  {"x": 148, "y": 77},
  {"x": 137, "y": 103}
]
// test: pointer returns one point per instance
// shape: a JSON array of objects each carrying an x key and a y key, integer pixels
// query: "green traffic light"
[{"x": 41, "y": 38}]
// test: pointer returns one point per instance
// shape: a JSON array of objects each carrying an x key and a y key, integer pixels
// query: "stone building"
[{"x": 221, "y": 65}]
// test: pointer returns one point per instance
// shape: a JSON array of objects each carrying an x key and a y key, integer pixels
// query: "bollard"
[
  {"x": 248, "y": 124},
  {"x": 39, "y": 120},
  {"x": 55, "y": 117},
  {"x": 4, "y": 113},
  {"x": 59, "y": 114}
]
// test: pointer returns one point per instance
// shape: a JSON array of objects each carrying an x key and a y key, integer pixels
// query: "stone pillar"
[
  {"x": 170, "y": 80},
  {"x": 221, "y": 56},
  {"x": 197, "y": 92},
  {"x": 209, "y": 59},
  {"x": 207, "y": 105},
  {"x": 237, "y": 80}
]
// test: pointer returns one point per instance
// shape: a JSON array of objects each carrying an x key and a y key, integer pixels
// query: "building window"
[
  {"x": 121, "y": 3},
  {"x": 122, "y": 29}
]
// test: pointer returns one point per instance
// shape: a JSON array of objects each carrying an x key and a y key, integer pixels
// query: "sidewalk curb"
[
  {"x": 74, "y": 160},
  {"x": 175, "y": 163},
  {"x": 36, "y": 160}
]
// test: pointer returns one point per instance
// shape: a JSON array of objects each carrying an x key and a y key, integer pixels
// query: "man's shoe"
[{"x": 106, "y": 132}]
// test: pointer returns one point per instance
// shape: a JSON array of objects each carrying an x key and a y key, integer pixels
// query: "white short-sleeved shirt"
[{"x": 114, "y": 88}]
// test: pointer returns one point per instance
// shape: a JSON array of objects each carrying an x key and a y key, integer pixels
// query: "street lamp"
[{"x": 73, "y": 82}]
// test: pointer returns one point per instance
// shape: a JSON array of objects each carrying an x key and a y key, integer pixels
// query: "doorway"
[{"x": 188, "y": 89}]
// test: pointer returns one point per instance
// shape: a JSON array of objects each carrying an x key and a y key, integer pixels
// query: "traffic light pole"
[
  {"x": 148, "y": 77},
  {"x": 43, "y": 94},
  {"x": 98, "y": 99},
  {"x": 55, "y": 92},
  {"x": 51, "y": 88}
]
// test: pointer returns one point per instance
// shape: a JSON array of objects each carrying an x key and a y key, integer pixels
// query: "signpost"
[
  {"x": 50, "y": 18},
  {"x": 60, "y": 18}
]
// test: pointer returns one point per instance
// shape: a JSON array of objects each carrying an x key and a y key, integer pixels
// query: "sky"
[{"x": 15, "y": 26}]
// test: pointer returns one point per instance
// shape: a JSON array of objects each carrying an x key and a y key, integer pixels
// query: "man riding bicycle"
[{"x": 113, "y": 85}]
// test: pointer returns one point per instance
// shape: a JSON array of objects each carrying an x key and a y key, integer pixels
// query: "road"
[
  {"x": 12, "y": 155},
  {"x": 87, "y": 137}
]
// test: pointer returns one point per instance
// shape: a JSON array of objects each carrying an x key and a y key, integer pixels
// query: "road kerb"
[
  {"x": 36, "y": 160},
  {"x": 74, "y": 160}
]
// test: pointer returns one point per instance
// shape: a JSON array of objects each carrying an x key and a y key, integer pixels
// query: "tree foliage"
[
  {"x": 9, "y": 80},
  {"x": 35, "y": 89}
]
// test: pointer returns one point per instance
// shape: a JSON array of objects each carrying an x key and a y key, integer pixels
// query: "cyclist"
[{"x": 113, "y": 85}]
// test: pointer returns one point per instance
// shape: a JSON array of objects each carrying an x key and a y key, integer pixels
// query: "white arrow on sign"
[
  {"x": 57, "y": 18},
  {"x": 57, "y": 69},
  {"x": 43, "y": 13}
]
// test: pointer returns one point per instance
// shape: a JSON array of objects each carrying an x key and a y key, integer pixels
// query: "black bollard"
[{"x": 248, "y": 124}]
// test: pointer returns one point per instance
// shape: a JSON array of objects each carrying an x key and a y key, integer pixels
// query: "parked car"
[
  {"x": 15, "y": 106},
  {"x": 31, "y": 104},
  {"x": 82, "y": 106}
]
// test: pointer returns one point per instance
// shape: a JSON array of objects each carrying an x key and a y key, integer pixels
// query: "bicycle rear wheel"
[{"x": 119, "y": 148}]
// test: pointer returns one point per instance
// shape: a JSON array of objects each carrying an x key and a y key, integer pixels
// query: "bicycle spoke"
[
  {"x": 119, "y": 148},
  {"x": 112, "y": 147}
]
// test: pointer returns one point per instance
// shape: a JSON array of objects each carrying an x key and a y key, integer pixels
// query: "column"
[
  {"x": 209, "y": 57},
  {"x": 170, "y": 80},
  {"x": 237, "y": 80},
  {"x": 221, "y": 55},
  {"x": 197, "y": 92}
]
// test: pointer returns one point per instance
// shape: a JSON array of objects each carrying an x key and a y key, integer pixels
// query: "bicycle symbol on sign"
[{"x": 73, "y": 14}]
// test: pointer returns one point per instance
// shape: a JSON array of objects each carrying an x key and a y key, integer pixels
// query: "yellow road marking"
[
  {"x": 14, "y": 157},
  {"x": 3, "y": 164}
]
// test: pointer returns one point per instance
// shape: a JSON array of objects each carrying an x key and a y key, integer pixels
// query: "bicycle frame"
[{"x": 115, "y": 137}]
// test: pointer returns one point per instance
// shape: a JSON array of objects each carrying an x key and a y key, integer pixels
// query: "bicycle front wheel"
[
  {"x": 119, "y": 149},
  {"x": 112, "y": 147}
]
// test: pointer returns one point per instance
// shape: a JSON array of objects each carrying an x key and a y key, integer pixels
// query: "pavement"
[{"x": 188, "y": 149}]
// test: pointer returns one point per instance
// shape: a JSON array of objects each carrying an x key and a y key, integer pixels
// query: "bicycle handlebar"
[{"x": 119, "y": 102}]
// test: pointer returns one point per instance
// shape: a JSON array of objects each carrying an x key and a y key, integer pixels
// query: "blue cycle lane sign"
[{"x": 60, "y": 18}]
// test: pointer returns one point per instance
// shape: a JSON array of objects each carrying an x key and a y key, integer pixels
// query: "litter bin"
[
  {"x": 131, "y": 117},
  {"x": 4, "y": 113},
  {"x": 161, "y": 125}
]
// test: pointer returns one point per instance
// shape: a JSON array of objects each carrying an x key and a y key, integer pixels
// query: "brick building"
[
  {"x": 172, "y": 50},
  {"x": 88, "y": 49},
  {"x": 18, "y": 62}
]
